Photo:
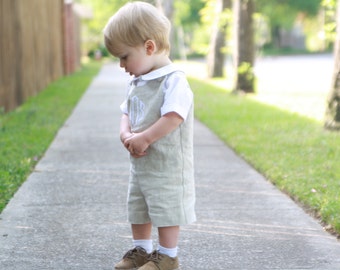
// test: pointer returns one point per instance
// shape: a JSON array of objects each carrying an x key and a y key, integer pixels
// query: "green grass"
[
  {"x": 295, "y": 153},
  {"x": 26, "y": 133}
]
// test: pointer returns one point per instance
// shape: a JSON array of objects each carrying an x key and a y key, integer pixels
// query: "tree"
[
  {"x": 167, "y": 6},
  {"x": 186, "y": 21},
  {"x": 283, "y": 14},
  {"x": 244, "y": 53},
  {"x": 216, "y": 55},
  {"x": 332, "y": 116},
  {"x": 92, "y": 29}
]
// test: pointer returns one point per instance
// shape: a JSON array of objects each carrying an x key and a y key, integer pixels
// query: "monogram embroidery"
[{"x": 137, "y": 113}]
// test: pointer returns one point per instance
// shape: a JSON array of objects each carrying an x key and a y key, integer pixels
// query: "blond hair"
[{"x": 134, "y": 24}]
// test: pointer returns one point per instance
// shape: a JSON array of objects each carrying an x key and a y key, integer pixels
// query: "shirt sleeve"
[
  {"x": 123, "y": 107},
  {"x": 178, "y": 95}
]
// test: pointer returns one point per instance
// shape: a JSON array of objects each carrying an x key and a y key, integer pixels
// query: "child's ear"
[{"x": 150, "y": 47}]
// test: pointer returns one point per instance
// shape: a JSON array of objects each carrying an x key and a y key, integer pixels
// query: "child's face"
[{"x": 135, "y": 60}]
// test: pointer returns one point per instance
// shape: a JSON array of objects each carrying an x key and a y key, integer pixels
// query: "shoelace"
[
  {"x": 155, "y": 257},
  {"x": 132, "y": 253}
]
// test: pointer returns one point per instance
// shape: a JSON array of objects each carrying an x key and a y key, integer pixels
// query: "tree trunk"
[
  {"x": 245, "y": 47},
  {"x": 167, "y": 6},
  {"x": 332, "y": 116},
  {"x": 216, "y": 56}
]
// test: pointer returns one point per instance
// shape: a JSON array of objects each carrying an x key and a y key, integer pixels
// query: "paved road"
[
  {"x": 298, "y": 84},
  {"x": 70, "y": 213}
]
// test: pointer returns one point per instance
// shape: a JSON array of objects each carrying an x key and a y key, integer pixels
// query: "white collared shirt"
[{"x": 178, "y": 95}]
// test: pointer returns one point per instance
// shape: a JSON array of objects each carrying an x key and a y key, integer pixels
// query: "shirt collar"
[{"x": 155, "y": 74}]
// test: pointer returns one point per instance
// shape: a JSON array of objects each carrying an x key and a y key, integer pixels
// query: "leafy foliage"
[
  {"x": 102, "y": 11},
  {"x": 284, "y": 12}
]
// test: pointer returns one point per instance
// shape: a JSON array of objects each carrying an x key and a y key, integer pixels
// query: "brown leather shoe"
[
  {"x": 133, "y": 259},
  {"x": 158, "y": 261}
]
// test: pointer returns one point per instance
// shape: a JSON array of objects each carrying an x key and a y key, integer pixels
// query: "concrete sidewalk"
[{"x": 70, "y": 213}]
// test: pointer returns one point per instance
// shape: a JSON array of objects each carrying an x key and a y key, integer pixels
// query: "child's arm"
[
  {"x": 139, "y": 142},
  {"x": 125, "y": 129},
  {"x": 125, "y": 133}
]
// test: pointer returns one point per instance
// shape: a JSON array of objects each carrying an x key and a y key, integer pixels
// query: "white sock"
[
  {"x": 143, "y": 243},
  {"x": 171, "y": 252}
]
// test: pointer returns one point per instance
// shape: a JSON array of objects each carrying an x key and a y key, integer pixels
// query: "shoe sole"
[
  {"x": 128, "y": 268},
  {"x": 138, "y": 268}
]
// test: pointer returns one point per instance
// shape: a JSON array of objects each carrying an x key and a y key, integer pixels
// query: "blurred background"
[{"x": 236, "y": 40}]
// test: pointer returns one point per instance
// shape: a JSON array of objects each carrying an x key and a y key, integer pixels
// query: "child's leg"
[
  {"x": 168, "y": 236},
  {"x": 141, "y": 234},
  {"x": 141, "y": 231},
  {"x": 168, "y": 240},
  {"x": 138, "y": 256},
  {"x": 166, "y": 255}
]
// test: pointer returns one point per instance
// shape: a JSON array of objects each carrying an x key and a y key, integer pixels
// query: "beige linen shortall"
[{"x": 161, "y": 184}]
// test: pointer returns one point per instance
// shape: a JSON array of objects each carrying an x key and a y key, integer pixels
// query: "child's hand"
[
  {"x": 136, "y": 145},
  {"x": 125, "y": 136}
]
